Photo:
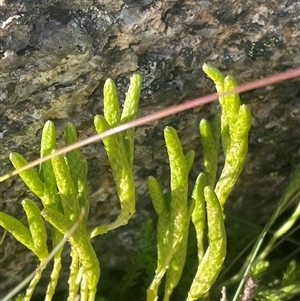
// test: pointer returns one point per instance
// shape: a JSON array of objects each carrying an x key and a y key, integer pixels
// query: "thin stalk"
[{"x": 54, "y": 276}]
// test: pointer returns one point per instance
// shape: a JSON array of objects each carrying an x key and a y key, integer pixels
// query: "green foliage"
[
  {"x": 61, "y": 185},
  {"x": 120, "y": 147},
  {"x": 34, "y": 237},
  {"x": 28, "y": 236},
  {"x": 235, "y": 125},
  {"x": 231, "y": 124},
  {"x": 284, "y": 288},
  {"x": 172, "y": 227}
]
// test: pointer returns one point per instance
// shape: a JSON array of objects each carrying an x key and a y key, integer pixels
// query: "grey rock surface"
[{"x": 55, "y": 56}]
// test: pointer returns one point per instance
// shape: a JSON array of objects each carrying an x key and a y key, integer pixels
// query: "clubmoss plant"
[
  {"x": 61, "y": 185},
  {"x": 120, "y": 147},
  {"x": 231, "y": 124}
]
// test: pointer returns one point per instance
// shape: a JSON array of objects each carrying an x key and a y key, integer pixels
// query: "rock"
[{"x": 56, "y": 55}]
